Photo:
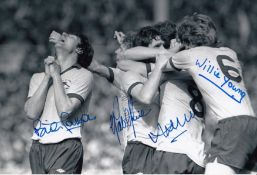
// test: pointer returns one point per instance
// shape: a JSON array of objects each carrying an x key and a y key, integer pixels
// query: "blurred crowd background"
[{"x": 24, "y": 31}]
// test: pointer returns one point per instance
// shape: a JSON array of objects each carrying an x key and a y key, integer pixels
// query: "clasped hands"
[{"x": 52, "y": 67}]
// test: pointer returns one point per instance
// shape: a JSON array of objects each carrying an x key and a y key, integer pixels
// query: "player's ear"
[{"x": 79, "y": 51}]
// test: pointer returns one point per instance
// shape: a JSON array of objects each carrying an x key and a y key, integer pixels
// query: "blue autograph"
[
  {"x": 168, "y": 128},
  {"x": 119, "y": 121},
  {"x": 225, "y": 81},
  {"x": 41, "y": 128}
]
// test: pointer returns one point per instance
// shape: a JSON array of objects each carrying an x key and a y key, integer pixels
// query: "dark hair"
[
  {"x": 197, "y": 30},
  {"x": 129, "y": 40},
  {"x": 168, "y": 31},
  {"x": 87, "y": 51},
  {"x": 145, "y": 35}
]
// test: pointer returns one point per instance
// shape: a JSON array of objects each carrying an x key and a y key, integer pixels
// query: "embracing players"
[
  {"x": 180, "y": 148},
  {"x": 230, "y": 121}
]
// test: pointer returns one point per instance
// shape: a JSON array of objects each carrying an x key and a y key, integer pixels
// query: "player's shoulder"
[
  {"x": 132, "y": 76},
  {"x": 116, "y": 71},
  {"x": 129, "y": 78},
  {"x": 38, "y": 76},
  {"x": 228, "y": 51},
  {"x": 85, "y": 71},
  {"x": 84, "y": 74},
  {"x": 182, "y": 52},
  {"x": 201, "y": 49},
  {"x": 213, "y": 51},
  {"x": 188, "y": 53}
]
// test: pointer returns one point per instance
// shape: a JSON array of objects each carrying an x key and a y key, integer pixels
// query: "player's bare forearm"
[
  {"x": 168, "y": 66},
  {"x": 103, "y": 71},
  {"x": 180, "y": 57},
  {"x": 35, "y": 104},
  {"x": 63, "y": 103},
  {"x": 99, "y": 69},
  {"x": 138, "y": 53},
  {"x": 150, "y": 87}
]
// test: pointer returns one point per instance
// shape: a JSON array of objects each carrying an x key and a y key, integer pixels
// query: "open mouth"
[
  {"x": 61, "y": 40},
  {"x": 158, "y": 45}
]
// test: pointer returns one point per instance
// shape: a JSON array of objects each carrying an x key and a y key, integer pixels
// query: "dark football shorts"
[
  {"x": 137, "y": 158},
  {"x": 234, "y": 141},
  {"x": 65, "y": 157},
  {"x": 175, "y": 163},
  {"x": 251, "y": 164}
]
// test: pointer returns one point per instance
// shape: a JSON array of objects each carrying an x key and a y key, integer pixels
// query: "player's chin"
[{"x": 59, "y": 45}]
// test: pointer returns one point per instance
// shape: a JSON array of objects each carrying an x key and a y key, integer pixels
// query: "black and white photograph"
[{"x": 128, "y": 87}]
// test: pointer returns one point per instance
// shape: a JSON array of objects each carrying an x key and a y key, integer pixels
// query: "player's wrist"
[
  {"x": 158, "y": 71},
  {"x": 56, "y": 76},
  {"x": 159, "y": 67},
  {"x": 47, "y": 77},
  {"x": 94, "y": 66}
]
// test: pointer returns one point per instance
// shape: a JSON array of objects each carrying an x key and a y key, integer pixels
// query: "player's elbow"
[
  {"x": 64, "y": 111},
  {"x": 30, "y": 115},
  {"x": 146, "y": 99},
  {"x": 122, "y": 64},
  {"x": 30, "y": 111},
  {"x": 120, "y": 55}
]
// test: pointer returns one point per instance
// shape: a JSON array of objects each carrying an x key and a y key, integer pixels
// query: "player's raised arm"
[
  {"x": 143, "y": 53},
  {"x": 74, "y": 53},
  {"x": 150, "y": 87},
  {"x": 39, "y": 85},
  {"x": 147, "y": 91},
  {"x": 139, "y": 67},
  {"x": 139, "y": 53},
  {"x": 177, "y": 59},
  {"x": 101, "y": 70},
  {"x": 35, "y": 103},
  {"x": 67, "y": 102}
]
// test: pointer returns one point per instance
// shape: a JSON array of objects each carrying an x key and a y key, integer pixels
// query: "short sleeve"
[
  {"x": 117, "y": 73},
  {"x": 81, "y": 86},
  {"x": 131, "y": 79},
  {"x": 182, "y": 60},
  {"x": 35, "y": 82}
]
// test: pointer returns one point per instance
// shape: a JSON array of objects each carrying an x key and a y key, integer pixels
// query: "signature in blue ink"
[
  {"x": 41, "y": 128},
  {"x": 210, "y": 68},
  {"x": 119, "y": 121},
  {"x": 225, "y": 81},
  {"x": 168, "y": 128}
]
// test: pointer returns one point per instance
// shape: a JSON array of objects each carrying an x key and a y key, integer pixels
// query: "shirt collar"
[{"x": 77, "y": 66}]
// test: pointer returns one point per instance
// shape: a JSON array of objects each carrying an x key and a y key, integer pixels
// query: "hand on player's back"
[
  {"x": 175, "y": 46},
  {"x": 93, "y": 65},
  {"x": 162, "y": 60},
  {"x": 119, "y": 36}
]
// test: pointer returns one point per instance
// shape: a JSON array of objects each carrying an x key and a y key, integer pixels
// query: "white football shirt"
[
  {"x": 141, "y": 118},
  {"x": 179, "y": 127},
  {"x": 218, "y": 75},
  {"x": 77, "y": 83}
]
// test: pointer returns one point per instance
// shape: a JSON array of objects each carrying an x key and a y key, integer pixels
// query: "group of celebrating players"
[
  {"x": 197, "y": 113},
  {"x": 182, "y": 103}
]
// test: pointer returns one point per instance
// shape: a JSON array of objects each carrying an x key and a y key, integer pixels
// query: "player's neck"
[{"x": 66, "y": 61}]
